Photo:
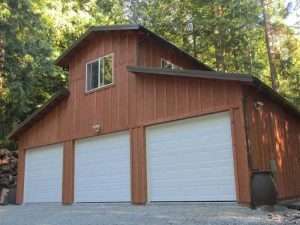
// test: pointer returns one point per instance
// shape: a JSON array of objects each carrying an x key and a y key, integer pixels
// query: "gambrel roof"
[
  {"x": 62, "y": 60},
  {"x": 205, "y": 73}
]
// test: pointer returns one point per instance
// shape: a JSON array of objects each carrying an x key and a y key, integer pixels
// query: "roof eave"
[
  {"x": 57, "y": 97},
  {"x": 265, "y": 89},
  {"x": 242, "y": 78},
  {"x": 191, "y": 73}
]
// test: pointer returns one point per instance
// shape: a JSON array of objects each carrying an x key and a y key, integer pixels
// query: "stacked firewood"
[
  {"x": 8, "y": 176},
  {"x": 8, "y": 168}
]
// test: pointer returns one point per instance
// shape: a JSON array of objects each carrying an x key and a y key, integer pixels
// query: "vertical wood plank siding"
[
  {"x": 156, "y": 103},
  {"x": 150, "y": 52},
  {"x": 242, "y": 170},
  {"x": 68, "y": 173},
  {"x": 138, "y": 166},
  {"x": 133, "y": 102},
  {"x": 274, "y": 134},
  {"x": 74, "y": 117}
]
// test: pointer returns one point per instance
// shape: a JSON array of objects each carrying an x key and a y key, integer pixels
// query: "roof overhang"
[
  {"x": 191, "y": 73},
  {"x": 242, "y": 78},
  {"x": 275, "y": 96},
  {"x": 36, "y": 115},
  {"x": 62, "y": 60}
]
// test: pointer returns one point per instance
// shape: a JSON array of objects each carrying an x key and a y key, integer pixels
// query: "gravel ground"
[{"x": 156, "y": 214}]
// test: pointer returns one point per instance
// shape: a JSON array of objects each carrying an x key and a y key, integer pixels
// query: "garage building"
[{"x": 142, "y": 121}]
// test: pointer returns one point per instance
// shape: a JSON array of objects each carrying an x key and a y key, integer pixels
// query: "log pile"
[
  {"x": 8, "y": 176},
  {"x": 8, "y": 168}
]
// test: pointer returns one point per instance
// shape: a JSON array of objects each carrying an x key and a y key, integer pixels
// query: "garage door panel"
[
  {"x": 102, "y": 169},
  {"x": 205, "y": 147},
  {"x": 203, "y": 141},
  {"x": 191, "y": 160},
  {"x": 206, "y": 125},
  {"x": 188, "y": 143},
  {"x": 212, "y": 172},
  {"x": 185, "y": 161},
  {"x": 189, "y": 154},
  {"x": 43, "y": 174}
]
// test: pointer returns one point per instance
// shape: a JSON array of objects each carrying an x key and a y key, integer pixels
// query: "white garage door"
[
  {"x": 191, "y": 160},
  {"x": 102, "y": 169},
  {"x": 43, "y": 174}
]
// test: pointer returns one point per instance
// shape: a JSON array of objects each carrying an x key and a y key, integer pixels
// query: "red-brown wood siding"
[
  {"x": 68, "y": 173},
  {"x": 160, "y": 99},
  {"x": 151, "y": 51},
  {"x": 133, "y": 102},
  {"x": 138, "y": 165},
  {"x": 274, "y": 134},
  {"x": 242, "y": 171},
  {"x": 74, "y": 117}
]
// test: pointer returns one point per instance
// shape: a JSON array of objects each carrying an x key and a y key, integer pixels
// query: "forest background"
[{"x": 258, "y": 37}]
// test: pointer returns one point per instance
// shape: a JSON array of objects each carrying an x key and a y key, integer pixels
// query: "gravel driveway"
[{"x": 156, "y": 214}]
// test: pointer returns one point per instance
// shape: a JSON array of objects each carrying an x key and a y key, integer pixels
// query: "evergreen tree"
[{"x": 227, "y": 35}]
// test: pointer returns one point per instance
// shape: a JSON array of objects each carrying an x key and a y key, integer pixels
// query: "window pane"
[
  {"x": 101, "y": 72},
  {"x": 175, "y": 67},
  {"x": 169, "y": 65},
  {"x": 107, "y": 69},
  {"x": 92, "y": 75},
  {"x": 166, "y": 64}
]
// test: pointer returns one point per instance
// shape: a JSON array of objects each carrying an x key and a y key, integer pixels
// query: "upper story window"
[
  {"x": 169, "y": 65},
  {"x": 99, "y": 72}
]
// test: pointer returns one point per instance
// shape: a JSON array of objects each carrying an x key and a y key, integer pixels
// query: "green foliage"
[
  {"x": 29, "y": 75},
  {"x": 228, "y": 35},
  {"x": 35, "y": 32}
]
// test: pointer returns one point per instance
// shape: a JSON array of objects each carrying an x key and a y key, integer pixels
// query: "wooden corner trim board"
[
  {"x": 68, "y": 172},
  {"x": 234, "y": 153},
  {"x": 20, "y": 176},
  {"x": 138, "y": 166},
  {"x": 246, "y": 166}
]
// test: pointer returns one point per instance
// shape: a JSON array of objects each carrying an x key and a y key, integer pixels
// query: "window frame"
[
  {"x": 99, "y": 80},
  {"x": 173, "y": 65}
]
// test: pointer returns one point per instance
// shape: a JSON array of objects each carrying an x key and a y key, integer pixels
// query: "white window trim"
[
  {"x": 163, "y": 59},
  {"x": 86, "y": 74},
  {"x": 173, "y": 66}
]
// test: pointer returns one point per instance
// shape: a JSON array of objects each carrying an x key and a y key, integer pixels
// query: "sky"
[{"x": 293, "y": 20}]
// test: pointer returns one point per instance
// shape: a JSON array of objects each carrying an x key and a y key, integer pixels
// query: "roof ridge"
[{"x": 119, "y": 27}]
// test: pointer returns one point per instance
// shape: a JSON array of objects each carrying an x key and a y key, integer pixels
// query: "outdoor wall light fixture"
[
  {"x": 97, "y": 128},
  {"x": 258, "y": 105}
]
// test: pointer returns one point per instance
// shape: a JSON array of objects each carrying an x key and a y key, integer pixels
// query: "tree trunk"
[
  {"x": 268, "y": 39},
  {"x": 194, "y": 44},
  {"x": 1, "y": 63}
]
